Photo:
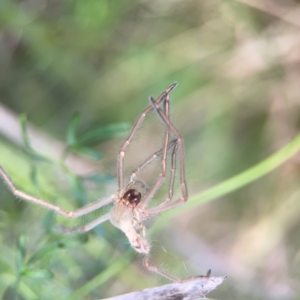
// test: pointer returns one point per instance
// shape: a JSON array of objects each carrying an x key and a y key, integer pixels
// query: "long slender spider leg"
[
  {"x": 173, "y": 172},
  {"x": 168, "y": 205},
  {"x": 170, "y": 126},
  {"x": 152, "y": 268},
  {"x": 167, "y": 136},
  {"x": 57, "y": 209},
  {"x": 162, "y": 175},
  {"x": 84, "y": 228},
  {"x": 136, "y": 126},
  {"x": 172, "y": 178},
  {"x": 150, "y": 159},
  {"x": 173, "y": 160},
  {"x": 146, "y": 258},
  {"x": 169, "y": 276}
]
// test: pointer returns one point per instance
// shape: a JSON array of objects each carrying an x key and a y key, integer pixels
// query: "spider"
[{"x": 130, "y": 207}]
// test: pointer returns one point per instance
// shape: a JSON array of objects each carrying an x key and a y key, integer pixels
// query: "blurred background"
[{"x": 82, "y": 72}]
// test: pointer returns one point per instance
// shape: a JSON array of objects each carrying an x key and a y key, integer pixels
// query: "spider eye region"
[{"x": 132, "y": 197}]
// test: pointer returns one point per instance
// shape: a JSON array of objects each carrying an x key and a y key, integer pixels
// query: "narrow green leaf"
[
  {"x": 115, "y": 267},
  {"x": 35, "y": 156},
  {"x": 21, "y": 251},
  {"x": 33, "y": 174},
  {"x": 48, "y": 221},
  {"x": 100, "y": 178},
  {"x": 103, "y": 132},
  {"x": 53, "y": 247},
  {"x": 94, "y": 154},
  {"x": 78, "y": 190},
  {"x": 39, "y": 274},
  {"x": 71, "y": 131},
  {"x": 23, "y": 123},
  {"x": 235, "y": 182}
]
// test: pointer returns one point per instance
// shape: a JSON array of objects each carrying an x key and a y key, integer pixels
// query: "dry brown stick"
[{"x": 188, "y": 290}]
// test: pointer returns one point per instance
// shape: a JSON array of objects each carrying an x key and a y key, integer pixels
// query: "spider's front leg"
[{"x": 59, "y": 210}]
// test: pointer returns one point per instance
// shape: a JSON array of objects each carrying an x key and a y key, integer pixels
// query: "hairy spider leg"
[
  {"x": 85, "y": 228},
  {"x": 57, "y": 209}
]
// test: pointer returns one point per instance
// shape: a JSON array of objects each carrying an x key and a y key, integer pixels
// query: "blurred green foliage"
[{"x": 237, "y": 103}]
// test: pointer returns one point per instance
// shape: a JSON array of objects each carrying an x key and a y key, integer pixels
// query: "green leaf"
[
  {"x": 234, "y": 183},
  {"x": 33, "y": 154},
  {"x": 39, "y": 274},
  {"x": 94, "y": 154},
  {"x": 33, "y": 174},
  {"x": 115, "y": 267},
  {"x": 103, "y": 133},
  {"x": 21, "y": 251},
  {"x": 48, "y": 221},
  {"x": 78, "y": 190},
  {"x": 99, "y": 178},
  {"x": 53, "y": 247},
  {"x": 48, "y": 249},
  {"x": 23, "y": 123},
  {"x": 71, "y": 131}
]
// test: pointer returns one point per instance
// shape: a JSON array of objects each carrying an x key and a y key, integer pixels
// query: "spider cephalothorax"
[
  {"x": 131, "y": 198},
  {"x": 131, "y": 208}
]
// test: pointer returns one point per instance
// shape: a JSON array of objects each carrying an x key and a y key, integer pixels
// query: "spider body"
[
  {"x": 125, "y": 215},
  {"x": 131, "y": 208}
]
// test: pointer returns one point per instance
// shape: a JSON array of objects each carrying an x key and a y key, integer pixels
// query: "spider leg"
[
  {"x": 57, "y": 209},
  {"x": 169, "y": 276},
  {"x": 84, "y": 228},
  {"x": 173, "y": 171},
  {"x": 149, "y": 266},
  {"x": 145, "y": 201},
  {"x": 133, "y": 176},
  {"x": 132, "y": 134},
  {"x": 167, "y": 204},
  {"x": 173, "y": 160},
  {"x": 152, "y": 268},
  {"x": 150, "y": 159}
]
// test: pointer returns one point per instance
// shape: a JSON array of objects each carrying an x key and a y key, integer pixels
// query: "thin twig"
[{"x": 188, "y": 290}]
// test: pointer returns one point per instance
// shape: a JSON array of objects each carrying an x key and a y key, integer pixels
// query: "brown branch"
[{"x": 188, "y": 290}]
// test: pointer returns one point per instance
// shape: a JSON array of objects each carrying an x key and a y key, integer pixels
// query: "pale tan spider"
[{"x": 130, "y": 207}]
